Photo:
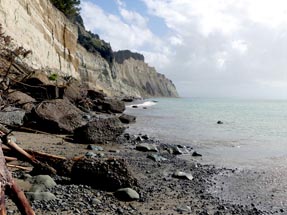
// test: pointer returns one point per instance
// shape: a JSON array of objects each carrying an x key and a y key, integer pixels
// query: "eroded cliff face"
[{"x": 38, "y": 26}]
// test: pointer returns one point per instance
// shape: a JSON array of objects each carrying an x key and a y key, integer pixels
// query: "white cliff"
[{"x": 38, "y": 26}]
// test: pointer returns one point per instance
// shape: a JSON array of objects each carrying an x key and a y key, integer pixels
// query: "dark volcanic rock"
[
  {"x": 146, "y": 148},
  {"x": 58, "y": 115},
  {"x": 94, "y": 94},
  {"x": 109, "y": 105},
  {"x": 127, "y": 119},
  {"x": 196, "y": 154},
  {"x": 99, "y": 131},
  {"x": 128, "y": 99},
  {"x": 109, "y": 174}
]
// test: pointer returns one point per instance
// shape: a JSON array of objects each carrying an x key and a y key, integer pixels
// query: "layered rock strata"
[{"x": 38, "y": 26}]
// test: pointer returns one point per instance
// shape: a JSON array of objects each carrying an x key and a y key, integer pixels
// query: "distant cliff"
[{"x": 63, "y": 47}]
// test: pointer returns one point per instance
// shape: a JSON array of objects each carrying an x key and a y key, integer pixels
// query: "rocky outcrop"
[{"x": 57, "y": 48}]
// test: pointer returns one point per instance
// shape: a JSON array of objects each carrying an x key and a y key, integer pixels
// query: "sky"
[{"x": 208, "y": 48}]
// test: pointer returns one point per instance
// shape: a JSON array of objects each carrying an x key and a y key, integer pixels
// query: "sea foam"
[{"x": 145, "y": 104}]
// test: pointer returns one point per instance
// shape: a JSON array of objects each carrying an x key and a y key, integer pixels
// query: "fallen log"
[
  {"x": 43, "y": 155},
  {"x": 19, "y": 198},
  {"x": 8, "y": 159},
  {"x": 19, "y": 167},
  {"x": 3, "y": 208},
  {"x": 7, "y": 183},
  {"x": 39, "y": 166}
]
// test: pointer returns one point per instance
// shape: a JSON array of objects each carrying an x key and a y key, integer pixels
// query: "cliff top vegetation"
[{"x": 69, "y": 7}]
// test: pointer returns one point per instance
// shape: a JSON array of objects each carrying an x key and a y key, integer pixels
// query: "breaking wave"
[{"x": 145, "y": 104}]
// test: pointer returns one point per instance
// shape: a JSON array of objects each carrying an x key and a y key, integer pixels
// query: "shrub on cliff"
[
  {"x": 93, "y": 43},
  {"x": 69, "y": 7}
]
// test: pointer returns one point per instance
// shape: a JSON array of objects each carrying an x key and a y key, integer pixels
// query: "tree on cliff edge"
[{"x": 69, "y": 7}]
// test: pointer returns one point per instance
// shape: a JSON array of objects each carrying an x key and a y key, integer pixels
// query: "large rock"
[
  {"x": 41, "y": 183},
  {"x": 21, "y": 100},
  {"x": 109, "y": 174},
  {"x": 74, "y": 92},
  {"x": 95, "y": 94},
  {"x": 127, "y": 119},
  {"x": 109, "y": 105},
  {"x": 59, "y": 115},
  {"x": 99, "y": 131},
  {"x": 12, "y": 116}
]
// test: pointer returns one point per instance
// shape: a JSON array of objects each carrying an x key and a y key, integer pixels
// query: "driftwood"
[
  {"x": 39, "y": 156},
  {"x": 19, "y": 167},
  {"x": 20, "y": 199},
  {"x": 8, "y": 159},
  {"x": 7, "y": 184},
  {"x": 39, "y": 166}
]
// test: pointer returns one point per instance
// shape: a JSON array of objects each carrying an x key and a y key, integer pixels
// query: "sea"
[
  {"x": 252, "y": 141},
  {"x": 253, "y": 133}
]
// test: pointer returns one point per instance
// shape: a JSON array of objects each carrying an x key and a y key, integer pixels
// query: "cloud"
[
  {"x": 239, "y": 45},
  {"x": 210, "y": 48},
  {"x": 133, "y": 18},
  {"x": 226, "y": 45},
  {"x": 127, "y": 31}
]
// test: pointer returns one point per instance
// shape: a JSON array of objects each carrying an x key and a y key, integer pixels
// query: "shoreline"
[{"x": 160, "y": 192}]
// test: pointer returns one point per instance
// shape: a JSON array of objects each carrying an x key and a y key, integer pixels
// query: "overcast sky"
[{"x": 208, "y": 48}]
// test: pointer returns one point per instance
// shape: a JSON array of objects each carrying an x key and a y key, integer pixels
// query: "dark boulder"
[
  {"x": 196, "y": 154},
  {"x": 108, "y": 174},
  {"x": 21, "y": 100},
  {"x": 74, "y": 92},
  {"x": 59, "y": 116},
  {"x": 127, "y": 119},
  {"x": 95, "y": 94},
  {"x": 219, "y": 122},
  {"x": 109, "y": 105},
  {"x": 99, "y": 131},
  {"x": 128, "y": 99}
]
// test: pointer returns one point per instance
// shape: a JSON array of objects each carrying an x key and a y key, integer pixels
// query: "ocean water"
[{"x": 253, "y": 133}]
